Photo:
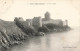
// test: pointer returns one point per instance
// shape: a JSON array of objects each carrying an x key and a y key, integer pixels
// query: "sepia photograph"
[{"x": 39, "y": 25}]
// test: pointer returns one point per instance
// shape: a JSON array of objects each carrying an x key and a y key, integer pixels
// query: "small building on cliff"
[{"x": 65, "y": 23}]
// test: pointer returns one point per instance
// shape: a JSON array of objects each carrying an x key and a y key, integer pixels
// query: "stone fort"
[{"x": 38, "y": 21}]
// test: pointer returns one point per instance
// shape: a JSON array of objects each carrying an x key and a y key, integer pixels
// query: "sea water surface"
[{"x": 61, "y": 41}]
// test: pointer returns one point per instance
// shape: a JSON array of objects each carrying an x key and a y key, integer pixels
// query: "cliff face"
[
  {"x": 11, "y": 29},
  {"x": 18, "y": 31},
  {"x": 18, "y": 27}
]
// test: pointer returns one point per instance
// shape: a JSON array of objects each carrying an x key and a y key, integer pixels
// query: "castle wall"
[
  {"x": 37, "y": 22},
  {"x": 29, "y": 22},
  {"x": 56, "y": 22}
]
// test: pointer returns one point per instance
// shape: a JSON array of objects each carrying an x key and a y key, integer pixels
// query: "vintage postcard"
[{"x": 39, "y": 25}]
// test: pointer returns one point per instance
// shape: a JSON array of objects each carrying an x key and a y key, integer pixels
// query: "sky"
[{"x": 58, "y": 9}]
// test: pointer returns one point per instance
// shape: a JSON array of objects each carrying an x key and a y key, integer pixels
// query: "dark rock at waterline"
[
  {"x": 40, "y": 34},
  {"x": 44, "y": 28},
  {"x": 15, "y": 43}
]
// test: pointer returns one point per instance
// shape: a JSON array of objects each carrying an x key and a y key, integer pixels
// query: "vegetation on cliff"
[{"x": 18, "y": 31}]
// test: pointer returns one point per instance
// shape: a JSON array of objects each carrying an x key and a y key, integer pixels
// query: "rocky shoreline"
[{"x": 17, "y": 32}]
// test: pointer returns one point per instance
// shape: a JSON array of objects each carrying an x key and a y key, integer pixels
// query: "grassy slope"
[{"x": 11, "y": 27}]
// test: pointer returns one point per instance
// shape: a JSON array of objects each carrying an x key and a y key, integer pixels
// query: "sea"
[{"x": 56, "y": 41}]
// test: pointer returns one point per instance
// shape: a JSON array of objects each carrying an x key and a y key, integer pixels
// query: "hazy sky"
[{"x": 59, "y": 9}]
